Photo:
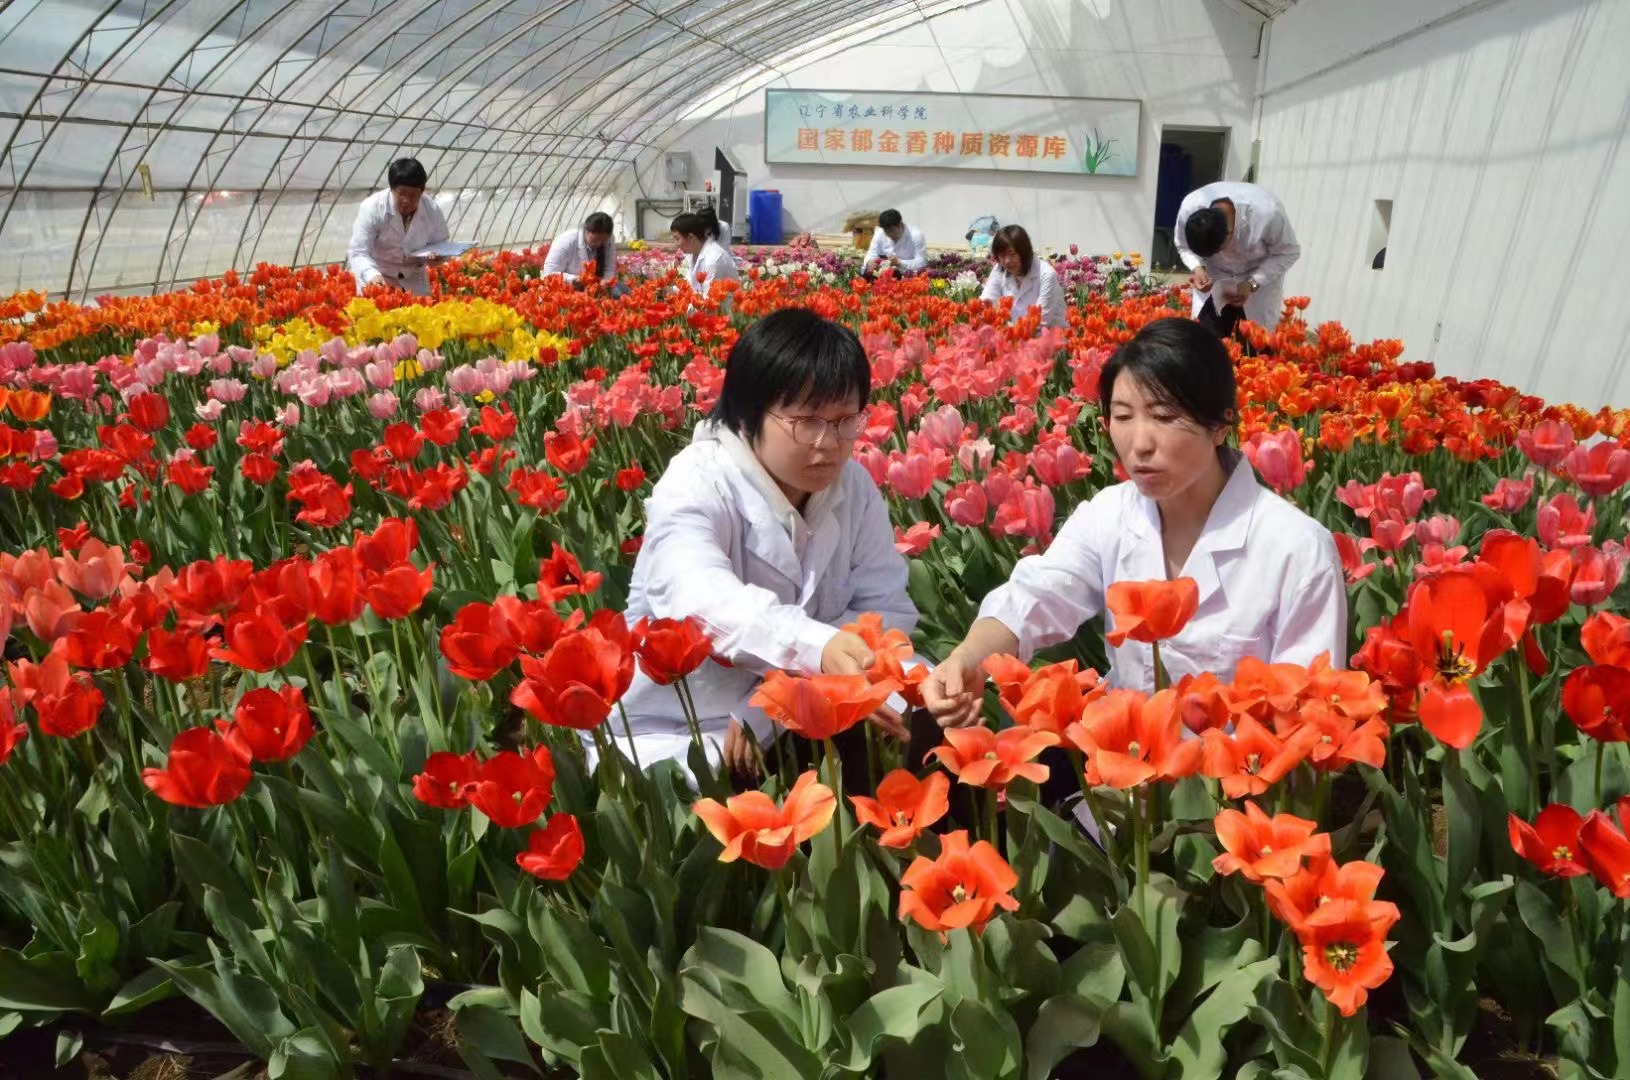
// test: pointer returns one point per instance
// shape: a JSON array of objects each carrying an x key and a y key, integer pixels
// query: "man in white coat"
[
  {"x": 1237, "y": 240},
  {"x": 391, "y": 225},
  {"x": 896, "y": 245}
]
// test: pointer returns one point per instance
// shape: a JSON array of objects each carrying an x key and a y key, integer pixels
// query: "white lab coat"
[
  {"x": 1262, "y": 249},
  {"x": 770, "y": 585},
  {"x": 715, "y": 260},
  {"x": 911, "y": 249},
  {"x": 1039, "y": 288},
  {"x": 381, "y": 250},
  {"x": 571, "y": 250},
  {"x": 1271, "y": 583}
]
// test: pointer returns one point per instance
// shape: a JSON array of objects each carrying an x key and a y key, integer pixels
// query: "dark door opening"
[{"x": 1189, "y": 158}]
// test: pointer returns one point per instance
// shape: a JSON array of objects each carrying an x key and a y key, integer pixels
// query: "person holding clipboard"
[{"x": 399, "y": 232}]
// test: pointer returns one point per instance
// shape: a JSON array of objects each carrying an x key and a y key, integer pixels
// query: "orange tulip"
[
  {"x": 820, "y": 706},
  {"x": 1253, "y": 759},
  {"x": 1130, "y": 740},
  {"x": 1322, "y": 880},
  {"x": 891, "y": 648},
  {"x": 960, "y": 889},
  {"x": 752, "y": 827},
  {"x": 1267, "y": 691},
  {"x": 1260, "y": 847},
  {"x": 1344, "y": 950},
  {"x": 904, "y": 806},
  {"x": 980, "y": 757},
  {"x": 1150, "y": 610},
  {"x": 1046, "y": 699},
  {"x": 30, "y": 406}
]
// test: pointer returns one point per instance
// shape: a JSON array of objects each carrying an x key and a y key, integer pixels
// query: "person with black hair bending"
[
  {"x": 573, "y": 250},
  {"x": 766, "y": 531},
  {"x": 1030, "y": 281},
  {"x": 706, "y": 260},
  {"x": 895, "y": 246},
  {"x": 390, "y": 226},
  {"x": 1270, "y": 580},
  {"x": 1237, "y": 240}
]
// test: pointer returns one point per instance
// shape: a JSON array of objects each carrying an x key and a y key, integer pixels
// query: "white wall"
[
  {"x": 1497, "y": 129},
  {"x": 1191, "y": 62}
]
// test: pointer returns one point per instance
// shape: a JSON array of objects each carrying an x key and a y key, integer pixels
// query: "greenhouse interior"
[{"x": 648, "y": 540}]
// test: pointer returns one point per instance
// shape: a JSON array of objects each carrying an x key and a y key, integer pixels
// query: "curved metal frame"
[{"x": 579, "y": 148}]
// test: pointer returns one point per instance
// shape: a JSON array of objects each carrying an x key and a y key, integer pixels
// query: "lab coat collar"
[
  {"x": 788, "y": 540},
  {"x": 1226, "y": 530}
]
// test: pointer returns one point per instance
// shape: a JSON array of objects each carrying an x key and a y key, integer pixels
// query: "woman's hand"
[
  {"x": 954, "y": 691},
  {"x": 846, "y": 654},
  {"x": 738, "y": 755}
]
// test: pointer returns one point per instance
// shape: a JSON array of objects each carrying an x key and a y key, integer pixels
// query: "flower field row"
[{"x": 310, "y": 602}]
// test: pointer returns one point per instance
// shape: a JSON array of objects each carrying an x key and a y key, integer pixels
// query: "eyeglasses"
[{"x": 811, "y": 430}]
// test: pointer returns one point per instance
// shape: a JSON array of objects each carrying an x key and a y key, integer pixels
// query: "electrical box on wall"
[{"x": 676, "y": 168}]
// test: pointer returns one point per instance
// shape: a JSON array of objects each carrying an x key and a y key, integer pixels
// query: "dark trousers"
[{"x": 1223, "y": 323}]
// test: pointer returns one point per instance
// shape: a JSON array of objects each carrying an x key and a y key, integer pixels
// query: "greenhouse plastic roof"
[{"x": 150, "y": 142}]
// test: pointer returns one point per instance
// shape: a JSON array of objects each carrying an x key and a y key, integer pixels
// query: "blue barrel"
[{"x": 764, "y": 216}]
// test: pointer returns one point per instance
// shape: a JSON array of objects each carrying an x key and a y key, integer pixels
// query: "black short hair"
[
  {"x": 1013, "y": 238},
  {"x": 888, "y": 219},
  {"x": 710, "y": 220},
  {"x": 792, "y": 355},
  {"x": 599, "y": 222},
  {"x": 1180, "y": 364},
  {"x": 407, "y": 172},
  {"x": 689, "y": 224},
  {"x": 1206, "y": 231}
]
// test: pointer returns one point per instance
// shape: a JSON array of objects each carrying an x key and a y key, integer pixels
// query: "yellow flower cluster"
[
  {"x": 486, "y": 326},
  {"x": 289, "y": 340},
  {"x": 495, "y": 325}
]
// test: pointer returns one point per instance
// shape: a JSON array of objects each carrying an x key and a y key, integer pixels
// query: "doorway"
[{"x": 1190, "y": 157}]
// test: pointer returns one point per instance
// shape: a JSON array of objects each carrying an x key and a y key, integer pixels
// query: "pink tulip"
[
  {"x": 1563, "y": 524},
  {"x": 1547, "y": 443},
  {"x": 1600, "y": 470},
  {"x": 966, "y": 505},
  {"x": 1509, "y": 495},
  {"x": 1277, "y": 458},
  {"x": 383, "y": 405}
]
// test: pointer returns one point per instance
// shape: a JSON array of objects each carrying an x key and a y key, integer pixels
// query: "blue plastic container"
[{"x": 764, "y": 216}]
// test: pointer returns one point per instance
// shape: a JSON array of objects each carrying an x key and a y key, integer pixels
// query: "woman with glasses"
[{"x": 767, "y": 533}]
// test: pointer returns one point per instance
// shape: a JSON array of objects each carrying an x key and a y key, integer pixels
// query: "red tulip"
[
  {"x": 583, "y": 675},
  {"x": 512, "y": 789},
  {"x": 177, "y": 655},
  {"x": 476, "y": 648},
  {"x": 275, "y": 724},
  {"x": 204, "y": 769},
  {"x": 446, "y": 780},
  {"x": 148, "y": 411},
  {"x": 402, "y": 442},
  {"x": 441, "y": 426},
  {"x": 670, "y": 649},
  {"x": 560, "y": 576},
  {"x": 390, "y": 544},
  {"x": 258, "y": 641},
  {"x": 1551, "y": 843},
  {"x": 554, "y": 851},
  {"x": 567, "y": 452},
  {"x": 398, "y": 592}
]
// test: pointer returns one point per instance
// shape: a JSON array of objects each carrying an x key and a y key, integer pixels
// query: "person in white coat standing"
[
  {"x": 390, "y": 226},
  {"x": 706, "y": 260},
  {"x": 766, "y": 531},
  {"x": 1031, "y": 282},
  {"x": 572, "y": 252},
  {"x": 1237, "y": 240},
  {"x": 896, "y": 246},
  {"x": 1270, "y": 579}
]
